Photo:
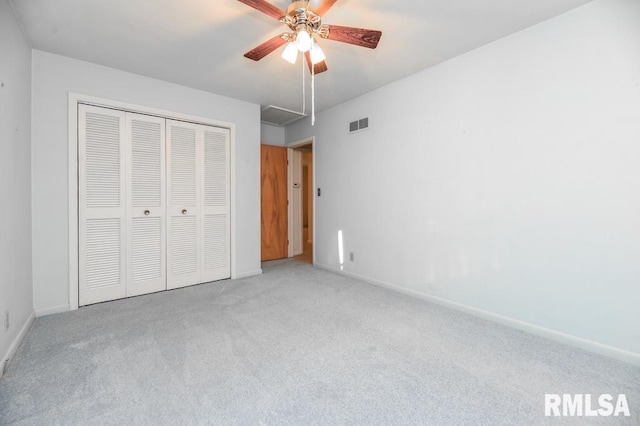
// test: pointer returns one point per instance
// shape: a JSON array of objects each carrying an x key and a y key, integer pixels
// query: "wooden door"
[{"x": 273, "y": 216}]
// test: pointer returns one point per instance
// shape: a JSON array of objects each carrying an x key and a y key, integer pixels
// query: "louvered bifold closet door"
[
  {"x": 146, "y": 257},
  {"x": 216, "y": 205},
  {"x": 101, "y": 204},
  {"x": 184, "y": 145}
]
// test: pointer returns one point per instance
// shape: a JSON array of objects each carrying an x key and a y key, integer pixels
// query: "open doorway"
[
  {"x": 307, "y": 205},
  {"x": 301, "y": 209}
]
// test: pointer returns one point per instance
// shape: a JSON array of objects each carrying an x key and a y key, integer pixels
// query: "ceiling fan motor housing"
[{"x": 299, "y": 17}]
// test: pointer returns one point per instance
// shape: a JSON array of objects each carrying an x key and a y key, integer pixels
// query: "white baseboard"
[
  {"x": 16, "y": 343},
  {"x": 558, "y": 336},
  {"x": 248, "y": 274},
  {"x": 50, "y": 311}
]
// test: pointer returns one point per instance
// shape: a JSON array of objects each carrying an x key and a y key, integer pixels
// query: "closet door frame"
[{"x": 76, "y": 99}]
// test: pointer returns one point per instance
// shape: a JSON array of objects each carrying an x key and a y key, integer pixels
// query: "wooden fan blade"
[
  {"x": 317, "y": 68},
  {"x": 265, "y": 48},
  {"x": 326, "y": 5},
  {"x": 265, "y": 7},
  {"x": 358, "y": 36}
]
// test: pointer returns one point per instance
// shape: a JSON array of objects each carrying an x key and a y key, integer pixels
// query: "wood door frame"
[
  {"x": 74, "y": 100},
  {"x": 290, "y": 147}
]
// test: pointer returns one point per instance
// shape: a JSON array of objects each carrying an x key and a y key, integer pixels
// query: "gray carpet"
[{"x": 296, "y": 346}]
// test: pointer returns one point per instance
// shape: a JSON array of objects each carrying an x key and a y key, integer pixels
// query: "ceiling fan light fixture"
[
  {"x": 290, "y": 53},
  {"x": 303, "y": 41},
  {"x": 316, "y": 53}
]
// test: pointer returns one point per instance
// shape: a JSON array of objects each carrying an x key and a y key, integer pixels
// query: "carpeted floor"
[{"x": 295, "y": 346}]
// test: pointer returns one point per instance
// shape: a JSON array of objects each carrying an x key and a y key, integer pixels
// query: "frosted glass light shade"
[
  {"x": 316, "y": 53},
  {"x": 290, "y": 53},
  {"x": 303, "y": 41}
]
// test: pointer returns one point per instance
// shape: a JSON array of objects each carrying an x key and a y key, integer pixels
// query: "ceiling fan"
[{"x": 306, "y": 25}]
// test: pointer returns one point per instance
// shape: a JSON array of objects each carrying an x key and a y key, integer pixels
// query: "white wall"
[
  {"x": 506, "y": 179},
  {"x": 271, "y": 135},
  {"x": 15, "y": 183},
  {"x": 53, "y": 78}
]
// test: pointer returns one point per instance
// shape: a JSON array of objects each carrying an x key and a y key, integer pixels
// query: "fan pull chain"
[
  {"x": 313, "y": 95},
  {"x": 304, "y": 95}
]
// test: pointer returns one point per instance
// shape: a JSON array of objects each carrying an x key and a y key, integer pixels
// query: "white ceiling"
[{"x": 200, "y": 43}]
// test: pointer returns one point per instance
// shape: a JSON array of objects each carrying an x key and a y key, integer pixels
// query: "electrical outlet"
[
  {"x": 351, "y": 256},
  {"x": 6, "y": 320}
]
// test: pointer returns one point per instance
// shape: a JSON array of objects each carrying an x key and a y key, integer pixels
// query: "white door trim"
[
  {"x": 290, "y": 229},
  {"x": 74, "y": 100},
  {"x": 294, "y": 197},
  {"x": 296, "y": 144}
]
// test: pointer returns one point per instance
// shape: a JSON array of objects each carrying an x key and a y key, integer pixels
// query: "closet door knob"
[
  {"x": 146, "y": 212},
  {"x": 184, "y": 211}
]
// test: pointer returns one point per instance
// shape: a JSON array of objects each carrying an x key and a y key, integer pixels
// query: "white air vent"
[{"x": 358, "y": 125}]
